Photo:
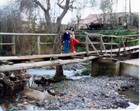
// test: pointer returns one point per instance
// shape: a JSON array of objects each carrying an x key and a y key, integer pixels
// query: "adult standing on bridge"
[
  {"x": 66, "y": 40},
  {"x": 72, "y": 39}
]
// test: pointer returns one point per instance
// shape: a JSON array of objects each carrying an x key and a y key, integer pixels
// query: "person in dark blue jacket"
[{"x": 66, "y": 40}]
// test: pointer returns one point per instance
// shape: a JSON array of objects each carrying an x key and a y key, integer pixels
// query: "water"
[
  {"x": 130, "y": 94},
  {"x": 134, "y": 96},
  {"x": 47, "y": 72}
]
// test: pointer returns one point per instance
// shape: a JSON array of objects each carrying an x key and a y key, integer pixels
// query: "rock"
[
  {"x": 52, "y": 108},
  {"x": 121, "y": 103},
  {"x": 40, "y": 103},
  {"x": 2, "y": 75},
  {"x": 37, "y": 95}
]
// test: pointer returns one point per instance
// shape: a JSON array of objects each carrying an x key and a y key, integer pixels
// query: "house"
[{"x": 112, "y": 18}]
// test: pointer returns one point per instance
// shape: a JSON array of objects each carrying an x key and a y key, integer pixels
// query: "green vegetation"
[
  {"x": 86, "y": 72},
  {"x": 118, "y": 32}
]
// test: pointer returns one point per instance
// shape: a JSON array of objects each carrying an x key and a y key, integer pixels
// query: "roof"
[{"x": 96, "y": 18}]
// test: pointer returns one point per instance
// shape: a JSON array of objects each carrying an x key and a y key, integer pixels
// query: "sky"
[
  {"x": 135, "y": 7},
  {"x": 135, "y": 4}
]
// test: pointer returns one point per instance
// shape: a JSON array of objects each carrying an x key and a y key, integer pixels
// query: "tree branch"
[
  {"x": 48, "y": 5},
  {"x": 38, "y": 3},
  {"x": 59, "y": 4}
]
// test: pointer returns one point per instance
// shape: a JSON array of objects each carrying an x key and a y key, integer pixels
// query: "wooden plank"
[
  {"x": 102, "y": 43},
  {"x": 87, "y": 44},
  {"x": 38, "y": 44},
  {"x": 13, "y": 46},
  {"x": 123, "y": 45},
  {"x": 23, "y": 66},
  {"x": 105, "y": 43},
  {"x": 113, "y": 36},
  {"x": 6, "y": 43},
  {"x": 36, "y": 34},
  {"x": 78, "y": 56},
  {"x": 30, "y": 57},
  {"x": 93, "y": 46},
  {"x": 43, "y": 43}
]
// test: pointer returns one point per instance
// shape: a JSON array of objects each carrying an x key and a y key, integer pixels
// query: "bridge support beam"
[{"x": 105, "y": 67}]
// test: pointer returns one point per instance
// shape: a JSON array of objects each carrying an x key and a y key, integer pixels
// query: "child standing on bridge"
[
  {"x": 73, "y": 41},
  {"x": 66, "y": 40}
]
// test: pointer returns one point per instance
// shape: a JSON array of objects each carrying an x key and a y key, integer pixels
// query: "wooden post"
[
  {"x": 38, "y": 44},
  {"x": 111, "y": 46},
  {"x": 93, "y": 46},
  {"x": 94, "y": 67},
  {"x": 87, "y": 44},
  {"x": 102, "y": 44},
  {"x": 123, "y": 45},
  {"x": 13, "y": 46},
  {"x": 119, "y": 47},
  {"x": 0, "y": 42}
]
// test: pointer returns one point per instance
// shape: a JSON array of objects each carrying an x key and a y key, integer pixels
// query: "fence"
[
  {"x": 111, "y": 40},
  {"x": 37, "y": 35},
  {"x": 99, "y": 43}
]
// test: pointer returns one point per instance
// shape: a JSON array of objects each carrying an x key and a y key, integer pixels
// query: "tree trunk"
[
  {"x": 57, "y": 44},
  {"x": 49, "y": 25},
  {"x": 59, "y": 75},
  {"x": 57, "y": 41}
]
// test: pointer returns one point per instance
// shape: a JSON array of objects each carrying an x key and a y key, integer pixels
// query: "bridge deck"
[
  {"x": 35, "y": 61},
  {"x": 64, "y": 55}
]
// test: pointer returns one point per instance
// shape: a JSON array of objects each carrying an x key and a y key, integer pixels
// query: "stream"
[{"x": 80, "y": 100}]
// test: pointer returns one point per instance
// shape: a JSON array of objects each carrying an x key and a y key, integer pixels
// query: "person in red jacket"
[
  {"x": 72, "y": 36},
  {"x": 73, "y": 41}
]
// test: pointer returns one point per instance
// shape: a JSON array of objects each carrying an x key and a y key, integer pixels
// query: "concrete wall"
[
  {"x": 112, "y": 67},
  {"x": 105, "y": 67},
  {"x": 129, "y": 69}
]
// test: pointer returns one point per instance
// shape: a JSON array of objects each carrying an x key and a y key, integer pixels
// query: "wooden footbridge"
[{"x": 96, "y": 46}]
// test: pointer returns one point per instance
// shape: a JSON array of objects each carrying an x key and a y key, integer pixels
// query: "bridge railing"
[
  {"x": 13, "y": 36},
  {"x": 107, "y": 43},
  {"x": 101, "y": 44}
]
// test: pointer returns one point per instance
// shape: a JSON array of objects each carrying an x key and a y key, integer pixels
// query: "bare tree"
[
  {"x": 65, "y": 5},
  {"x": 9, "y": 19},
  {"x": 107, "y": 8},
  {"x": 80, "y": 6}
]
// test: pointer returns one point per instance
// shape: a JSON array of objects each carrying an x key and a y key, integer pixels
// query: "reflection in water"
[{"x": 132, "y": 95}]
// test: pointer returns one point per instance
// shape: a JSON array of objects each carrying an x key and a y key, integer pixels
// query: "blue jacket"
[{"x": 66, "y": 36}]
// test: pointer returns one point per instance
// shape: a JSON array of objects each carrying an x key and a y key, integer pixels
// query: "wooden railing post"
[
  {"x": 87, "y": 44},
  {"x": 89, "y": 41},
  {"x": 102, "y": 44},
  {"x": 1, "y": 42},
  {"x": 38, "y": 44},
  {"x": 122, "y": 43},
  {"x": 13, "y": 46},
  {"x": 111, "y": 46}
]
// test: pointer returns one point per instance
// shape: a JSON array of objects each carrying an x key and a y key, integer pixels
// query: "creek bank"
[{"x": 85, "y": 93}]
